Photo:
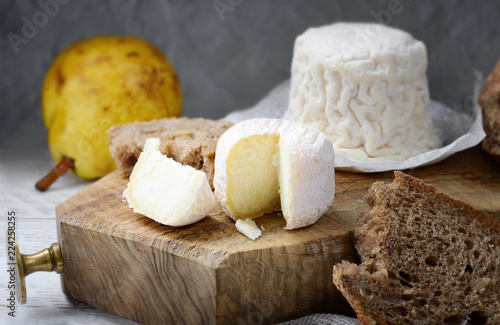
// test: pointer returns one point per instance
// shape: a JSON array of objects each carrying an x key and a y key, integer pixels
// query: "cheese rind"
[
  {"x": 307, "y": 170},
  {"x": 166, "y": 191},
  {"x": 264, "y": 165},
  {"x": 364, "y": 85}
]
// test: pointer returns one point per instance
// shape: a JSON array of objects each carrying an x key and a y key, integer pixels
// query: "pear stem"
[{"x": 60, "y": 169}]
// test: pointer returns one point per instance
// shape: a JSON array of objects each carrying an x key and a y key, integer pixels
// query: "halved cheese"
[
  {"x": 265, "y": 165},
  {"x": 166, "y": 191}
]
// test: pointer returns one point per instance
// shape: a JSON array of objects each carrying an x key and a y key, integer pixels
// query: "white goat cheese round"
[{"x": 364, "y": 85}]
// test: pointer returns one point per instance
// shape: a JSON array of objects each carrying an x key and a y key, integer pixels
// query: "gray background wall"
[{"x": 229, "y": 60}]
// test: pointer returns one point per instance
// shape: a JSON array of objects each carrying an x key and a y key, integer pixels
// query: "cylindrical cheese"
[{"x": 364, "y": 85}]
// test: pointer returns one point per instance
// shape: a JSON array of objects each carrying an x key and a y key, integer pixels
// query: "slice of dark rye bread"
[
  {"x": 489, "y": 100},
  {"x": 426, "y": 258},
  {"x": 189, "y": 141}
]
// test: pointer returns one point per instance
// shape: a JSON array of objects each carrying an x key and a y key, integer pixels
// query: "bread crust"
[
  {"x": 426, "y": 258},
  {"x": 189, "y": 141},
  {"x": 489, "y": 100}
]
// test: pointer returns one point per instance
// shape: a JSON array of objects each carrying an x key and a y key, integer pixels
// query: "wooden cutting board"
[{"x": 208, "y": 273}]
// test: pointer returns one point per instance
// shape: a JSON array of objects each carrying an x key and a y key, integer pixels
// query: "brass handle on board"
[{"x": 48, "y": 260}]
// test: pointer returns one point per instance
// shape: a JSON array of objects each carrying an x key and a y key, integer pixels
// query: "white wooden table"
[{"x": 35, "y": 230}]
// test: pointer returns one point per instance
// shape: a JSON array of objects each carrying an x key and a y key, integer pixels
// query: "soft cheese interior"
[
  {"x": 365, "y": 86},
  {"x": 252, "y": 180}
]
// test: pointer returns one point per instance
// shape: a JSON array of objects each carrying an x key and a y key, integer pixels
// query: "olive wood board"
[{"x": 209, "y": 273}]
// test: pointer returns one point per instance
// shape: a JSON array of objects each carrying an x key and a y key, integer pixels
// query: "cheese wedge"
[
  {"x": 266, "y": 165},
  {"x": 166, "y": 191}
]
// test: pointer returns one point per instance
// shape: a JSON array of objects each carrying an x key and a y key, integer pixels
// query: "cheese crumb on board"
[
  {"x": 266, "y": 165},
  {"x": 166, "y": 191},
  {"x": 365, "y": 86},
  {"x": 249, "y": 228}
]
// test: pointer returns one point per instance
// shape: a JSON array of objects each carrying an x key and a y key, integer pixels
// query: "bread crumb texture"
[
  {"x": 426, "y": 258},
  {"x": 489, "y": 100}
]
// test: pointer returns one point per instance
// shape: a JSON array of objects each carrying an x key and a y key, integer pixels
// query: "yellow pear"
[{"x": 95, "y": 84}]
